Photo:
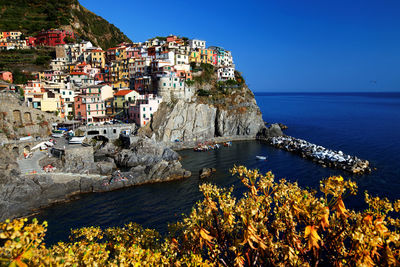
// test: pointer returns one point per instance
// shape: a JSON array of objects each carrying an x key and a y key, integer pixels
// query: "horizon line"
[{"x": 326, "y": 92}]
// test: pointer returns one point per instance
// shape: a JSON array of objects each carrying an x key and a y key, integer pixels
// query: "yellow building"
[
  {"x": 120, "y": 53},
  {"x": 119, "y": 73},
  {"x": 202, "y": 56},
  {"x": 40, "y": 75},
  {"x": 15, "y": 35},
  {"x": 123, "y": 98},
  {"x": 194, "y": 57},
  {"x": 51, "y": 102},
  {"x": 98, "y": 58}
]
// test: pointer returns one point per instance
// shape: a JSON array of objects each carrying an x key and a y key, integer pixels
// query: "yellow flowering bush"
[{"x": 275, "y": 223}]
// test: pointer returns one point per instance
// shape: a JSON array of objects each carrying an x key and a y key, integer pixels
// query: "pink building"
[
  {"x": 83, "y": 67},
  {"x": 89, "y": 106},
  {"x": 142, "y": 112},
  {"x": 6, "y": 76},
  {"x": 48, "y": 75},
  {"x": 133, "y": 52}
]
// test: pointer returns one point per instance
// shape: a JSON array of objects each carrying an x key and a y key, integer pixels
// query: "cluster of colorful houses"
[
  {"x": 127, "y": 82},
  {"x": 17, "y": 40}
]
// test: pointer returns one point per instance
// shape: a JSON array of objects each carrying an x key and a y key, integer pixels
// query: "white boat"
[
  {"x": 49, "y": 144},
  {"x": 57, "y": 135},
  {"x": 261, "y": 157},
  {"x": 76, "y": 140},
  {"x": 25, "y": 138}
]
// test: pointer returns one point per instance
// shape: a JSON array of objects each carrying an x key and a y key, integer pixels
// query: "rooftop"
[{"x": 122, "y": 92}]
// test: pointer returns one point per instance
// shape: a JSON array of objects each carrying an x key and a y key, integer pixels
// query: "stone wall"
[{"x": 17, "y": 120}]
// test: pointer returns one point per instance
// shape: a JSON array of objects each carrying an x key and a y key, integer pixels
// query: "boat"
[
  {"x": 76, "y": 140},
  {"x": 57, "y": 135},
  {"x": 228, "y": 144},
  {"x": 261, "y": 157}
]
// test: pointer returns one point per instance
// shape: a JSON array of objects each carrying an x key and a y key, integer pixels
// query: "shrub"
[
  {"x": 189, "y": 83},
  {"x": 239, "y": 78},
  {"x": 275, "y": 223},
  {"x": 202, "y": 92}
]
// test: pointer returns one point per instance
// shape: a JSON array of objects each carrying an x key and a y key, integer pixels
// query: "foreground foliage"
[{"x": 273, "y": 224}]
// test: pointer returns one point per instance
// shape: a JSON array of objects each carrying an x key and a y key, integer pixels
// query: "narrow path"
[{"x": 31, "y": 165}]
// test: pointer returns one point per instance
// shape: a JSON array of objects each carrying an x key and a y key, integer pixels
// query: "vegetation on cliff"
[
  {"x": 35, "y": 15},
  {"x": 29, "y": 59},
  {"x": 222, "y": 94},
  {"x": 275, "y": 223}
]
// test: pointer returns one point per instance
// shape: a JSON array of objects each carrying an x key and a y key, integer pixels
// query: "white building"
[
  {"x": 142, "y": 112},
  {"x": 182, "y": 62},
  {"x": 59, "y": 64},
  {"x": 68, "y": 99},
  {"x": 195, "y": 44},
  {"x": 167, "y": 57},
  {"x": 226, "y": 73},
  {"x": 172, "y": 87}
]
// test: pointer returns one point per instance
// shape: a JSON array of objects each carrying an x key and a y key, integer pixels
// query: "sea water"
[{"x": 366, "y": 125}]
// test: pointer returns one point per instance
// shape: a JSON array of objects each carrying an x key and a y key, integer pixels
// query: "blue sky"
[{"x": 281, "y": 45}]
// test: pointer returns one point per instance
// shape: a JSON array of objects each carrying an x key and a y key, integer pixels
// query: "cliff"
[
  {"x": 33, "y": 16},
  {"x": 230, "y": 112}
]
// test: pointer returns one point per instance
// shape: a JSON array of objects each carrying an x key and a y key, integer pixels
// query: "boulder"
[
  {"x": 206, "y": 172},
  {"x": 106, "y": 167},
  {"x": 282, "y": 126},
  {"x": 145, "y": 151}
]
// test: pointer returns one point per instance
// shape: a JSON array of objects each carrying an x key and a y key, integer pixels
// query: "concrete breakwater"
[{"x": 321, "y": 155}]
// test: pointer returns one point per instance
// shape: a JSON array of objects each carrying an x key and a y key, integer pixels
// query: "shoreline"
[
  {"x": 98, "y": 185},
  {"x": 73, "y": 185}
]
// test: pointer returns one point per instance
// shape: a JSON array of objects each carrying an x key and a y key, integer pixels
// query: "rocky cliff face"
[
  {"x": 203, "y": 118},
  {"x": 145, "y": 161}
]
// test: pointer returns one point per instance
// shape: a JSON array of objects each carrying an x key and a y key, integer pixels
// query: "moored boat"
[{"x": 76, "y": 140}]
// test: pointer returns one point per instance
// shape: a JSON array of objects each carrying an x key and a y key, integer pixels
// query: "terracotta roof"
[
  {"x": 122, "y": 92},
  {"x": 78, "y": 73}
]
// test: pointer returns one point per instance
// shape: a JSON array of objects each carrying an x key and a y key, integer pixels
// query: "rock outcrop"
[
  {"x": 206, "y": 172},
  {"x": 184, "y": 121},
  {"x": 145, "y": 161},
  {"x": 153, "y": 161},
  {"x": 205, "y": 118}
]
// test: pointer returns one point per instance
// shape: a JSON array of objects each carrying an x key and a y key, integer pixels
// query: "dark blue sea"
[{"x": 366, "y": 125}]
